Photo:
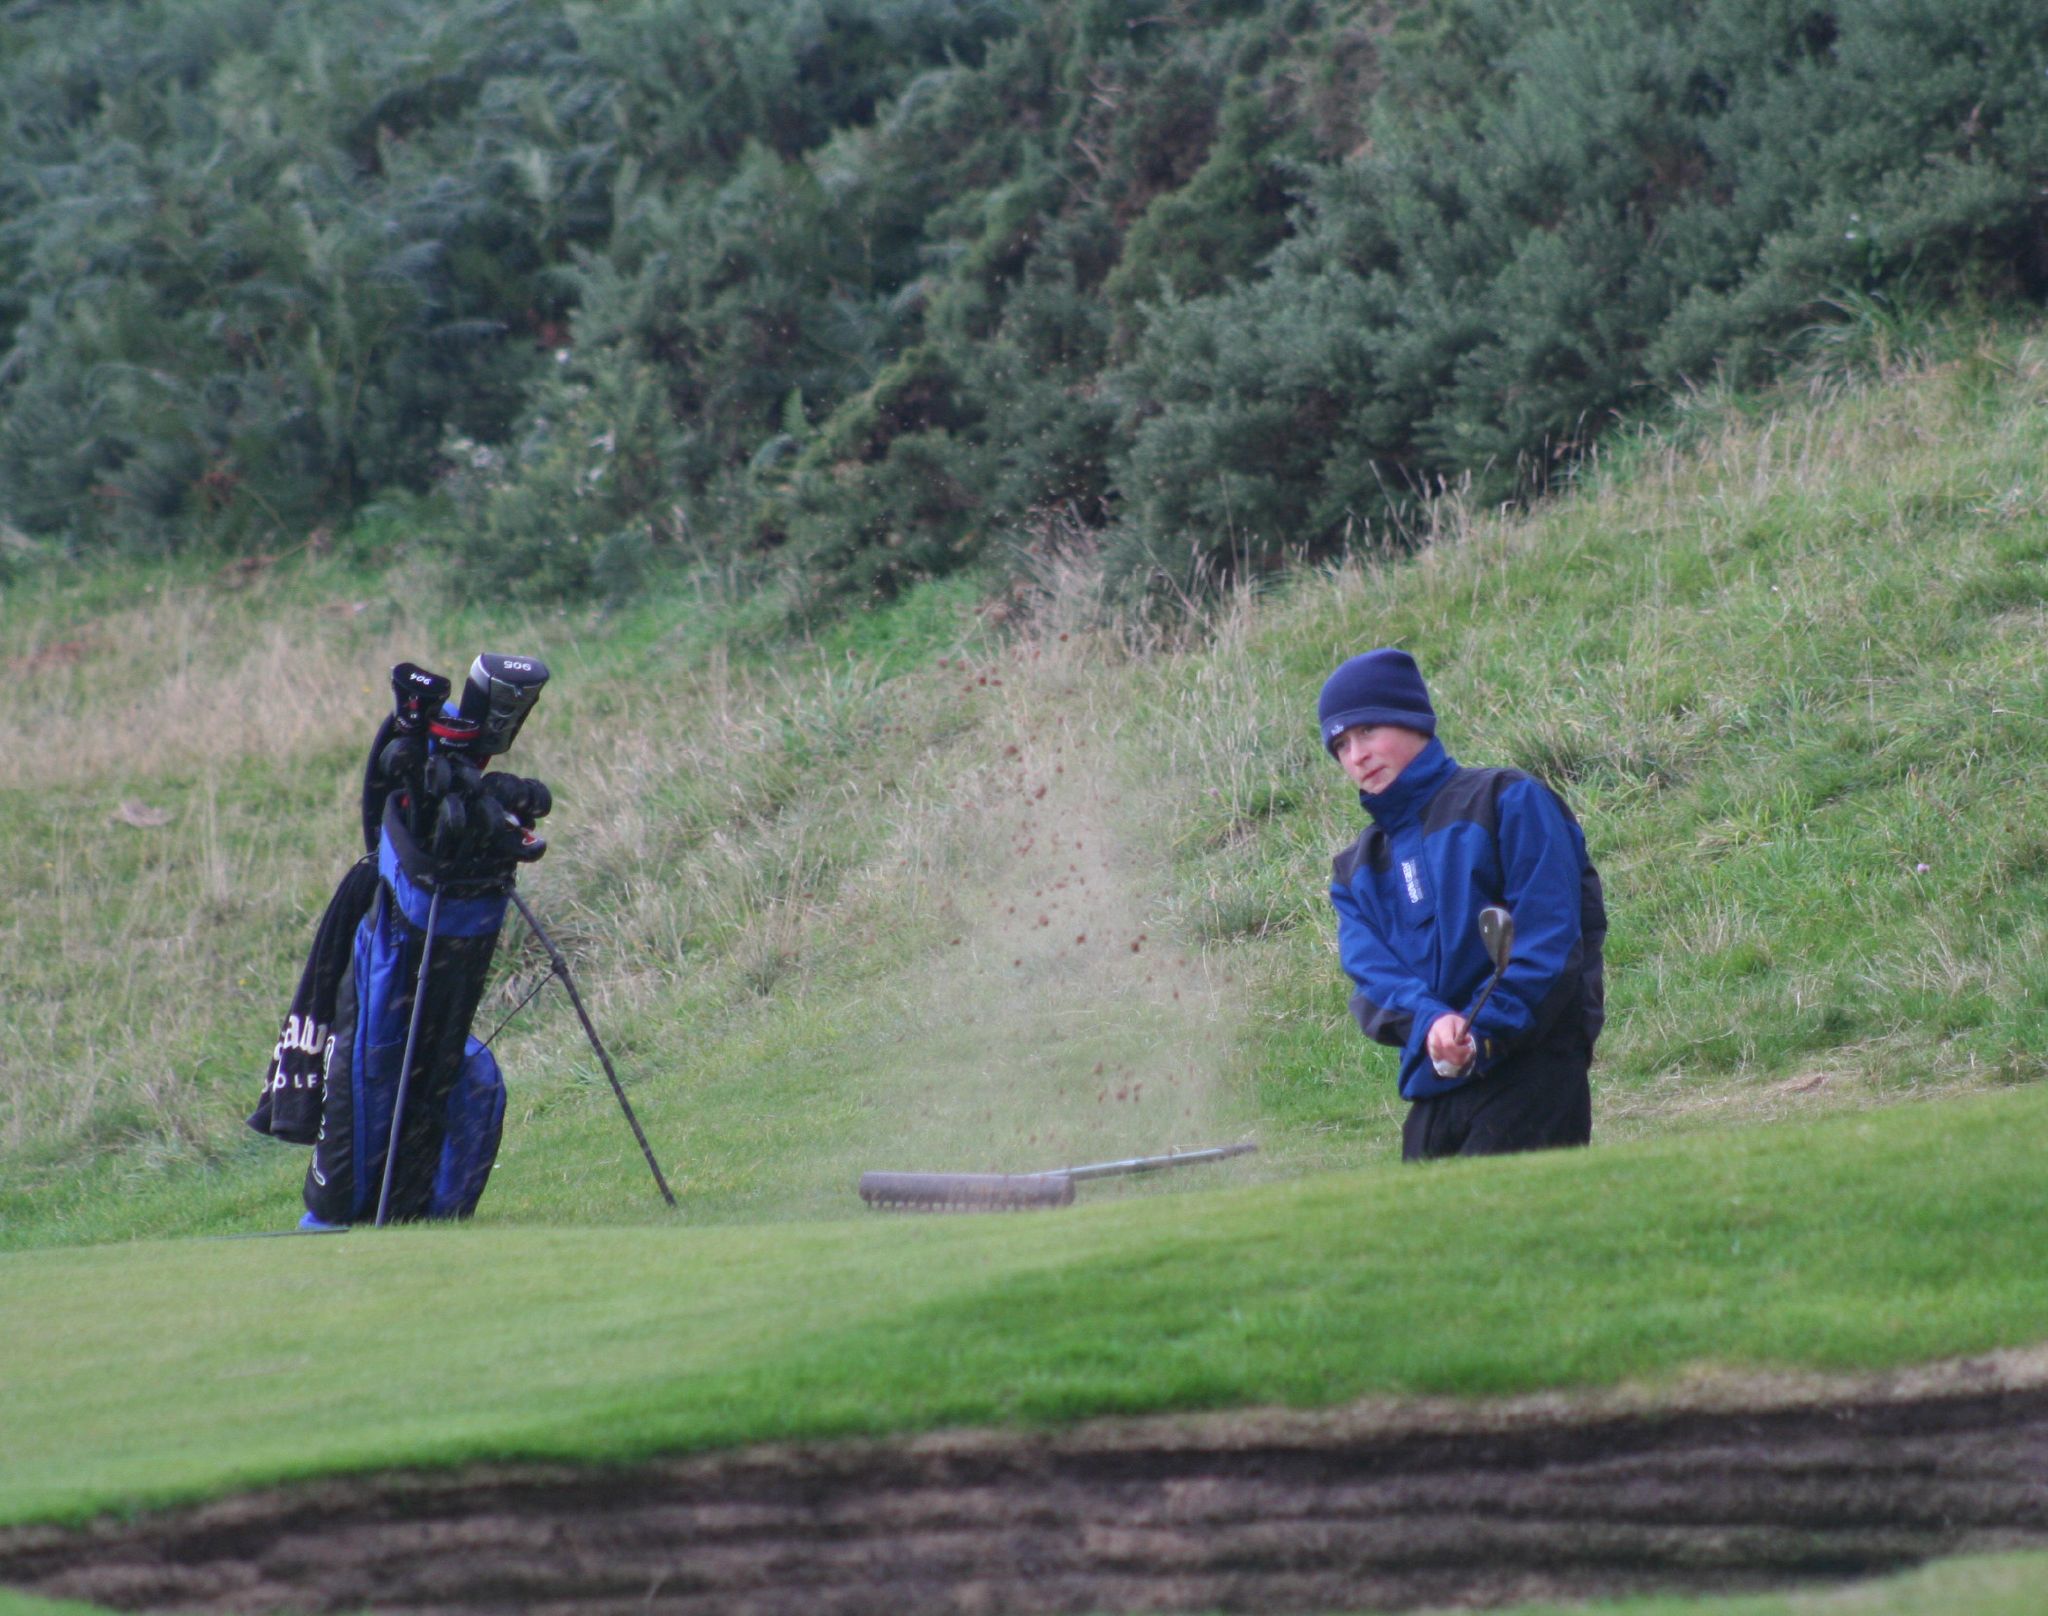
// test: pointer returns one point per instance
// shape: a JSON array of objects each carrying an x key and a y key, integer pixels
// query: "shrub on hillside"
[
  {"x": 1558, "y": 210},
  {"x": 581, "y": 502},
  {"x": 261, "y": 257},
  {"x": 1223, "y": 282}
]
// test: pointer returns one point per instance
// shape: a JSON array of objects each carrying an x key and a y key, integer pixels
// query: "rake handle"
[
  {"x": 1149, "y": 1164},
  {"x": 991, "y": 1191}
]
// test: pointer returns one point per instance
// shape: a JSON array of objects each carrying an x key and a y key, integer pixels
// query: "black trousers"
[{"x": 1538, "y": 1100}]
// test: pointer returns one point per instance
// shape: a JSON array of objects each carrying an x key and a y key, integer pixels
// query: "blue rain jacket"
[{"x": 1444, "y": 842}]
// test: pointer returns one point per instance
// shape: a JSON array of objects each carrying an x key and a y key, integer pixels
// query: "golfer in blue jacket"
[{"x": 1444, "y": 842}]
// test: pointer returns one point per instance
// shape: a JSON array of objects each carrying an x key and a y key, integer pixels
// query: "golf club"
[{"x": 1497, "y": 932}]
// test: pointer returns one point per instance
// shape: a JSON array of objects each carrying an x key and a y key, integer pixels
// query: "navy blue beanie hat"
[{"x": 1377, "y": 687}]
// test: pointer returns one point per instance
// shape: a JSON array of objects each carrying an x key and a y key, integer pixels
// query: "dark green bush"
[
  {"x": 262, "y": 256},
  {"x": 874, "y": 287},
  {"x": 582, "y": 502},
  {"x": 1559, "y": 208}
]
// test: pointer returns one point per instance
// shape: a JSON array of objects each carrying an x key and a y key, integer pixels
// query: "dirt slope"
[{"x": 1377, "y": 1507}]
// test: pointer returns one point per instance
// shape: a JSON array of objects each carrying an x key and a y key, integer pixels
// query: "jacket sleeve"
[
  {"x": 1541, "y": 860},
  {"x": 1391, "y": 1006}
]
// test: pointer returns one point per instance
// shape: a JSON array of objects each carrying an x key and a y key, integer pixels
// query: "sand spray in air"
[{"x": 1058, "y": 1024}]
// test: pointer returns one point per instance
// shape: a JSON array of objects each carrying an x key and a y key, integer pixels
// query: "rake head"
[{"x": 965, "y": 1192}]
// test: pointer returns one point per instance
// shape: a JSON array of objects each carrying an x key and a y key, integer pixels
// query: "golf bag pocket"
[
  {"x": 448, "y": 1136},
  {"x": 471, "y": 1124}
]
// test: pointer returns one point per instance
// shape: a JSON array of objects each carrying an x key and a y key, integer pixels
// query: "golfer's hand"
[{"x": 1450, "y": 1046}]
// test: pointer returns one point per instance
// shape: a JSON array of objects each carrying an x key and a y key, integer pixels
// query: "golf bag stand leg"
[
  {"x": 412, "y": 1034},
  {"x": 560, "y": 967}
]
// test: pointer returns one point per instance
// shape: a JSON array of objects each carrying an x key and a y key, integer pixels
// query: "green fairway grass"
[
  {"x": 2007, "y": 1585},
  {"x": 142, "y": 1373},
  {"x": 27, "y": 1605}
]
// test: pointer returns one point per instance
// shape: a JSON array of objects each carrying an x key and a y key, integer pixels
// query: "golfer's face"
[{"x": 1375, "y": 754}]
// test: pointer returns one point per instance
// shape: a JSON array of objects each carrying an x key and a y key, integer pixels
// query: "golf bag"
[{"x": 379, "y": 1030}]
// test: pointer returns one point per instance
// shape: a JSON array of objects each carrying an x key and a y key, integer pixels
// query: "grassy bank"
[
  {"x": 1785, "y": 669},
  {"x": 142, "y": 1373},
  {"x": 2005, "y": 1586},
  {"x": 1788, "y": 672}
]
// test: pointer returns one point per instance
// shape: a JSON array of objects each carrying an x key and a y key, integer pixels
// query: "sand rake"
[{"x": 1016, "y": 1192}]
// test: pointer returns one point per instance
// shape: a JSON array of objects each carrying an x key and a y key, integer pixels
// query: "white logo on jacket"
[{"x": 1414, "y": 879}]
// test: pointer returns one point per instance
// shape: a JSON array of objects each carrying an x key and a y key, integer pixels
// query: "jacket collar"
[{"x": 1412, "y": 788}]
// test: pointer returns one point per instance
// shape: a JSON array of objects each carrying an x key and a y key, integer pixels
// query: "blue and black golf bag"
[{"x": 376, "y": 1067}]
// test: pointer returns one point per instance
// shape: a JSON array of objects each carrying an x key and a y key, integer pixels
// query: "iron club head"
[{"x": 1497, "y": 932}]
